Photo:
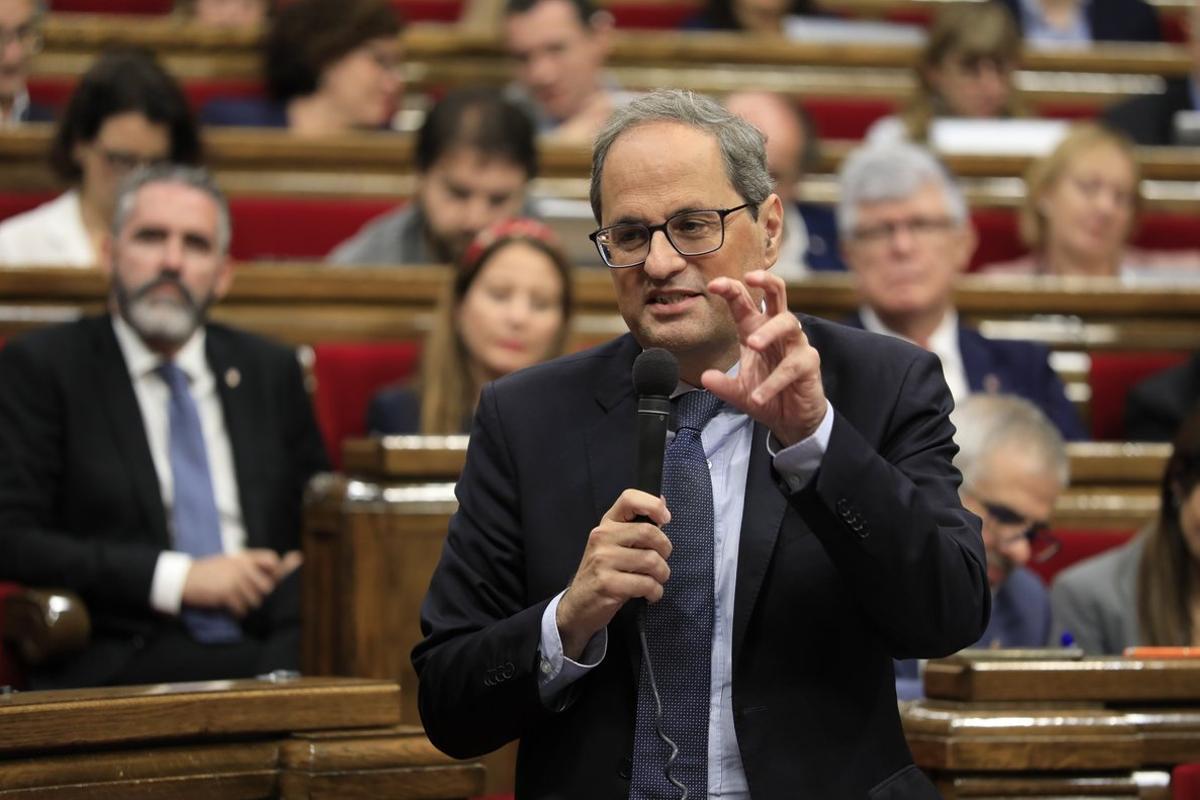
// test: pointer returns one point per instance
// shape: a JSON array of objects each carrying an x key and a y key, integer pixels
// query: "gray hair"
[
  {"x": 892, "y": 170},
  {"x": 740, "y": 142},
  {"x": 195, "y": 177},
  {"x": 986, "y": 422}
]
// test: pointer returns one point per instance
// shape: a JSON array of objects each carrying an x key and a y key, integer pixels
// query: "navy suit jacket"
[
  {"x": 252, "y": 112},
  {"x": 1006, "y": 366},
  {"x": 1113, "y": 20},
  {"x": 824, "y": 252},
  {"x": 395, "y": 410},
  {"x": 1021, "y": 368},
  {"x": 80, "y": 503},
  {"x": 1149, "y": 119},
  {"x": 1158, "y": 405},
  {"x": 874, "y": 558},
  {"x": 1020, "y": 618}
]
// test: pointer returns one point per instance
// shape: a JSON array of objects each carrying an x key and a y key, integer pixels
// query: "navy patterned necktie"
[
  {"x": 194, "y": 516},
  {"x": 679, "y": 627}
]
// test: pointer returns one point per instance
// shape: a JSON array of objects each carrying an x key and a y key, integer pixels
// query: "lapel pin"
[{"x": 233, "y": 377}]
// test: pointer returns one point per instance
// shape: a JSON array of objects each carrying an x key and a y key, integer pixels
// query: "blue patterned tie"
[
  {"x": 194, "y": 510},
  {"x": 679, "y": 627}
]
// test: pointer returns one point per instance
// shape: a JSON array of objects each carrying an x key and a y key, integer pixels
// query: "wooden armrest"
[{"x": 44, "y": 624}]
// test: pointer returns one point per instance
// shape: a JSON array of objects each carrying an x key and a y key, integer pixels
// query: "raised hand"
[{"x": 779, "y": 378}]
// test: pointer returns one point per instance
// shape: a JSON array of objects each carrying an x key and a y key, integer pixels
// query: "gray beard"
[{"x": 161, "y": 322}]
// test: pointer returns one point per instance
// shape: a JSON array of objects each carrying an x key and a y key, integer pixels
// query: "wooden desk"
[
  {"x": 1107, "y": 727},
  {"x": 300, "y": 738}
]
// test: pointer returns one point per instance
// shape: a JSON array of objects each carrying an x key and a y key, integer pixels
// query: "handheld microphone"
[{"x": 655, "y": 375}]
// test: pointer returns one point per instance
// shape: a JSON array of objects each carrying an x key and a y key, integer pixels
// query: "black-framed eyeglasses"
[
  {"x": 918, "y": 227},
  {"x": 124, "y": 161},
  {"x": 691, "y": 233},
  {"x": 27, "y": 35},
  {"x": 1043, "y": 545}
]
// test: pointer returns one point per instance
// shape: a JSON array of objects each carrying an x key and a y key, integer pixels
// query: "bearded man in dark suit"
[
  {"x": 154, "y": 462},
  {"x": 821, "y": 533}
]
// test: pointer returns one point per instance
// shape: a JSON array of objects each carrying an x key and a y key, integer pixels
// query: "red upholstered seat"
[
  {"x": 13, "y": 203},
  {"x": 10, "y": 672},
  {"x": 1111, "y": 377},
  {"x": 54, "y": 90},
  {"x": 1162, "y": 230},
  {"x": 847, "y": 117},
  {"x": 1078, "y": 545},
  {"x": 1185, "y": 782},
  {"x": 998, "y": 237},
  {"x": 267, "y": 228},
  {"x": 348, "y": 375}
]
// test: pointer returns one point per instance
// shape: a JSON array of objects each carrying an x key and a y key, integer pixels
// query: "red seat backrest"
[
  {"x": 654, "y": 15},
  {"x": 1185, "y": 782},
  {"x": 55, "y": 90},
  {"x": 847, "y": 117},
  {"x": 348, "y": 375},
  {"x": 998, "y": 237},
  {"x": 13, "y": 203},
  {"x": 1161, "y": 230},
  {"x": 297, "y": 227},
  {"x": 1078, "y": 545},
  {"x": 10, "y": 672},
  {"x": 113, "y": 6},
  {"x": 1111, "y": 377}
]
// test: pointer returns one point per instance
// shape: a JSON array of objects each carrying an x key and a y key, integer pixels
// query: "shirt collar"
[
  {"x": 141, "y": 360},
  {"x": 20, "y": 105},
  {"x": 943, "y": 338}
]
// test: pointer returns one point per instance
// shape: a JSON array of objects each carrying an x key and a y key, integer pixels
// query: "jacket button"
[
  {"x": 626, "y": 768},
  {"x": 508, "y": 670},
  {"x": 842, "y": 506}
]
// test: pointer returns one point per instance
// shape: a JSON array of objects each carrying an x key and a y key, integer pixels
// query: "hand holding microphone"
[{"x": 626, "y": 553}]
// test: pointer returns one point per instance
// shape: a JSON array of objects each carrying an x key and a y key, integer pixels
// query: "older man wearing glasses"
[
  {"x": 1014, "y": 465},
  {"x": 20, "y": 41},
  {"x": 906, "y": 238},
  {"x": 809, "y": 531}
]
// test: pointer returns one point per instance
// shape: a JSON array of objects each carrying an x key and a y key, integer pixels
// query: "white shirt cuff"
[
  {"x": 166, "y": 587},
  {"x": 797, "y": 463},
  {"x": 556, "y": 672}
]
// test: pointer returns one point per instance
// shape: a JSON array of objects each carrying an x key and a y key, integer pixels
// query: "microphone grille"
[{"x": 655, "y": 373}]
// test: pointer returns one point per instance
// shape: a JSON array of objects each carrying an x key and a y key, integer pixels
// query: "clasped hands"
[
  {"x": 778, "y": 384},
  {"x": 238, "y": 582}
]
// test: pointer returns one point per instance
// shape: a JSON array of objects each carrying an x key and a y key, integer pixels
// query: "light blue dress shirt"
[
  {"x": 1040, "y": 33},
  {"x": 727, "y": 441}
]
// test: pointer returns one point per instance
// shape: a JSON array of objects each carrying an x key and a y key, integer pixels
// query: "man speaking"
[{"x": 810, "y": 532}]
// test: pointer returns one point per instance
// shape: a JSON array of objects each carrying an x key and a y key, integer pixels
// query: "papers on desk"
[{"x": 1010, "y": 137}]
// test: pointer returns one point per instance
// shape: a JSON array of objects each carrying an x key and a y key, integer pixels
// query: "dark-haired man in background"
[
  {"x": 20, "y": 41},
  {"x": 476, "y": 154},
  {"x": 560, "y": 47}
]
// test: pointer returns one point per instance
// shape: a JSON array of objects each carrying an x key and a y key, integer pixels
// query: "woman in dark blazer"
[{"x": 506, "y": 309}]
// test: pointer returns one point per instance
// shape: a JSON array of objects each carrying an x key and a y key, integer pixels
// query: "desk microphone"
[{"x": 655, "y": 376}]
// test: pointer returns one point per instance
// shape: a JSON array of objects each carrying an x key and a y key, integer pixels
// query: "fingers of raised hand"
[
  {"x": 746, "y": 313},
  {"x": 782, "y": 330},
  {"x": 773, "y": 287},
  {"x": 798, "y": 371}
]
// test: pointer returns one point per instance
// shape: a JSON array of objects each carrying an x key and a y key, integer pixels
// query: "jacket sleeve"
[
  {"x": 892, "y": 523},
  {"x": 114, "y": 570},
  {"x": 476, "y": 664}
]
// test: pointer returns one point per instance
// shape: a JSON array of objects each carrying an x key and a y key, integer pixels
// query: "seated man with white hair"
[
  {"x": 906, "y": 237},
  {"x": 1014, "y": 465}
]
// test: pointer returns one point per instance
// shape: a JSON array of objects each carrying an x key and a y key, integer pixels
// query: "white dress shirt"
[
  {"x": 153, "y": 396},
  {"x": 727, "y": 442},
  {"x": 943, "y": 343},
  {"x": 16, "y": 111},
  {"x": 50, "y": 235}
]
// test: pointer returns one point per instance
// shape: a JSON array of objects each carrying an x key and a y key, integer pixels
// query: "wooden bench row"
[
  {"x": 272, "y": 163},
  {"x": 438, "y": 56},
  {"x": 308, "y": 303}
]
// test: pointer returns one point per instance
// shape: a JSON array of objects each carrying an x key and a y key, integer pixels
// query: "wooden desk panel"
[{"x": 246, "y": 739}]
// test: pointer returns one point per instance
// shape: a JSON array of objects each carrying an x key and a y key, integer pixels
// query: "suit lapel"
[
  {"x": 977, "y": 362},
  {"x": 232, "y": 376},
  {"x": 128, "y": 427},
  {"x": 765, "y": 506}
]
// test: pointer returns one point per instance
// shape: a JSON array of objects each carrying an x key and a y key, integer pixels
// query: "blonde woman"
[{"x": 507, "y": 308}]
